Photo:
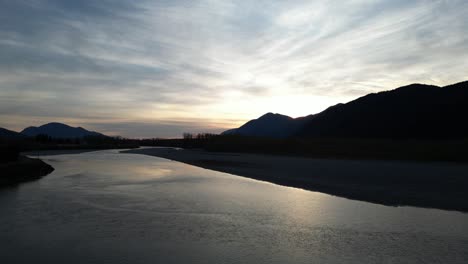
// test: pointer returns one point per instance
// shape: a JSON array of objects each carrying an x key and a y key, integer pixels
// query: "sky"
[{"x": 161, "y": 68}]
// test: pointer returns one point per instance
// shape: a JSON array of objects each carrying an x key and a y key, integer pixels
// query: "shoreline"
[
  {"x": 30, "y": 166},
  {"x": 438, "y": 185},
  {"x": 23, "y": 170},
  {"x": 53, "y": 152}
]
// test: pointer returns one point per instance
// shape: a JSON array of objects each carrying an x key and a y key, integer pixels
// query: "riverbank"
[
  {"x": 22, "y": 170},
  {"x": 438, "y": 185},
  {"x": 53, "y": 152},
  {"x": 30, "y": 167}
]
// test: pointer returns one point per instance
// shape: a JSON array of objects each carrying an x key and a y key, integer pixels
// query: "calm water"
[{"x": 106, "y": 207}]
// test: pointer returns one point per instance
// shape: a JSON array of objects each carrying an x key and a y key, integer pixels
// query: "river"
[{"x": 108, "y": 207}]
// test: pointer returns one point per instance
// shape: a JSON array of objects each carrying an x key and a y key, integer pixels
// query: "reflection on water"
[{"x": 106, "y": 207}]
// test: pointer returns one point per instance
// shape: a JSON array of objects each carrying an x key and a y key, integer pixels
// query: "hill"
[
  {"x": 59, "y": 130},
  {"x": 415, "y": 111},
  {"x": 269, "y": 125},
  {"x": 8, "y": 134}
]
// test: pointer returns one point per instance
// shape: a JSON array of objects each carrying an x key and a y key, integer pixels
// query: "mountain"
[
  {"x": 413, "y": 111},
  {"x": 59, "y": 130},
  {"x": 269, "y": 125},
  {"x": 5, "y": 133}
]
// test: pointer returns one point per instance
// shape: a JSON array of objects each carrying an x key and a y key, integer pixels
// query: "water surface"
[{"x": 107, "y": 207}]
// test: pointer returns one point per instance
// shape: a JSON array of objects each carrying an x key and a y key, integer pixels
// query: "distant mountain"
[
  {"x": 413, "y": 111},
  {"x": 59, "y": 130},
  {"x": 269, "y": 125},
  {"x": 5, "y": 133}
]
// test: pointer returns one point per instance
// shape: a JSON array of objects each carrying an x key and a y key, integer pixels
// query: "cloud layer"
[{"x": 158, "y": 68}]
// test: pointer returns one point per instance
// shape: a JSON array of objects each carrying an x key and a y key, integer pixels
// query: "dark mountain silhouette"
[
  {"x": 269, "y": 125},
  {"x": 415, "y": 111},
  {"x": 59, "y": 130},
  {"x": 5, "y": 133}
]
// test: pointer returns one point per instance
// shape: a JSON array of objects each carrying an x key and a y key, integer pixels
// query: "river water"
[{"x": 107, "y": 207}]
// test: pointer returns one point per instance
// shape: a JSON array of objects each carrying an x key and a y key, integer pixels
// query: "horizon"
[
  {"x": 149, "y": 69},
  {"x": 222, "y": 129}
]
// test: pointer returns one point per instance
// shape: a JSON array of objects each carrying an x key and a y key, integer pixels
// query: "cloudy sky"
[{"x": 159, "y": 68}]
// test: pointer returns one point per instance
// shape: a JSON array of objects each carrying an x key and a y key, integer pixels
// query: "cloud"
[{"x": 138, "y": 63}]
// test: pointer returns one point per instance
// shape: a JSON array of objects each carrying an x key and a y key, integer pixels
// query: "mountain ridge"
[
  {"x": 59, "y": 130},
  {"x": 6, "y": 133},
  {"x": 268, "y": 125},
  {"x": 411, "y": 111}
]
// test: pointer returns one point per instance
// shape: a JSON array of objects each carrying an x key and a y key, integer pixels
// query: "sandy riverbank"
[{"x": 434, "y": 185}]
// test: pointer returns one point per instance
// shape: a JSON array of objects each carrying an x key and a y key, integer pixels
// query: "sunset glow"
[{"x": 159, "y": 68}]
